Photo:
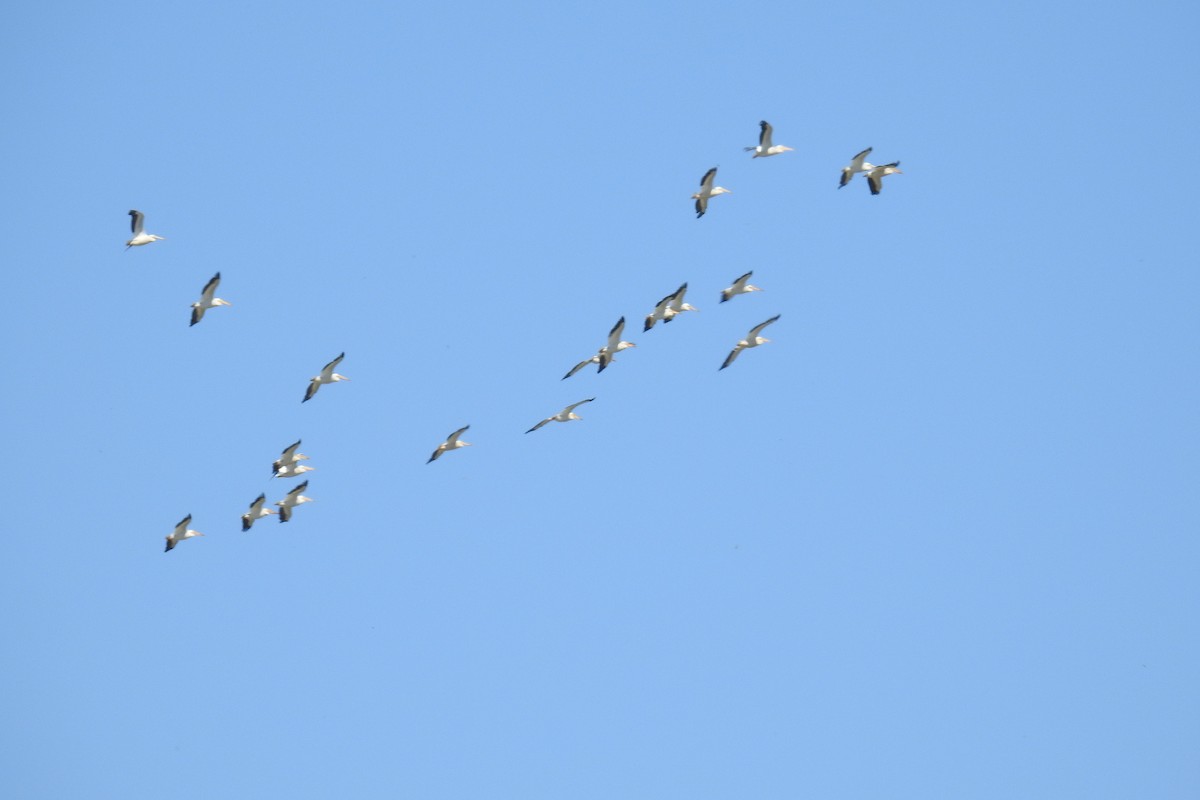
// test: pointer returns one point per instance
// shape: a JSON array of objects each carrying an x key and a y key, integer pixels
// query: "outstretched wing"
[
  {"x": 758, "y": 329},
  {"x": 137, "y": 222}
]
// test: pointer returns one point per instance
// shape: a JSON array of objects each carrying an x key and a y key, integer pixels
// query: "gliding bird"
[
  {"x": 566, "y": 415},
  {"x": 707, "y": 190},
  {"x": 857, "y": 164},
  {"x": 452, "y": 443},
  {"x": 875, "y": 176},
  {"x": 256, "y": 512},
  {"x": 140, "y": 237},
  {"x": 740, "y": 286},
  {"x": 327, "y": 376},
  {"x": 294, "y": 498},
  {"x": 765, "y": 148},
  {"x": 288, "y": 463},
  {"x": 207, "y": 300},
  {"x": 604, "y": 355},
  {"x": 752, "y": 340},
  {"x": 181, "y": 532}
]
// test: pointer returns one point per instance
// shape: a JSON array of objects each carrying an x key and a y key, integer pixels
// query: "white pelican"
[
  {"x": 294, "y": 498},
  {"x": 256, "y": 512},
  {"x": 566, "y": 415},
  {"x": 140, "y": 237},
  {"x": 293, "y": 470},
  {"x": 604, "y": 355},
  {"x": 659, "y": 312},
  {"x": 288, "y": 459},
  {"x": 740, "y": 286},
  {"x": 327, "y": 376},
  {"x": 875, "y": 176},
  {"x": 752, "y": 340},
  {"x": 677, "y": 306},
  {"x": 707, "y": 190},
  {"x": 613, "y": 346},
  {"x": 207, "y": 300},
  {"x": 857, "y": 164},
  {"x": 181, "y": 532},
  {"x": 452, "y": 443},
  {"x": 765, "y": 148}
]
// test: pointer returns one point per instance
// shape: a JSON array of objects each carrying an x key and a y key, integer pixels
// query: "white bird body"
[
  {"x": 875, "y": 176},
  {"x": 566, "y": 415},
  {"x": 207, "y": 300},
  {"x": 857, "y": 164},
  {"x": 137, "y": 224},
  {"x": 753, "y": 339},
  {"x": 668, "y": 308},
  {"x": 256, "y": 512},
  {"x": 740, "y": 286},
  {"x": 604, "y": 356},
  {"x": 676, "y": 306},
  {"x": 327, "y": 376},
  {"x": 181, "y": 532},
  {"x": 292, "y": 470},
  {"x": 294, "y": 498},
  {"x": 288, "y": 462},
  {"x": 765, "y": 148},
  {"x": 452, "y": 443},
  {"x": 707, "y": 190}
]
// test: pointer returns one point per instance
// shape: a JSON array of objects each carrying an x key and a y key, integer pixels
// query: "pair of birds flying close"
[
  {"x": 875, "y": 175},
  {"x": 668, "y": 308},
  {"x": 258, "y": 508}
]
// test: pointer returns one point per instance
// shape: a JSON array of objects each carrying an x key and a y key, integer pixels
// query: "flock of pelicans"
[{"x": 288, "y": 464}]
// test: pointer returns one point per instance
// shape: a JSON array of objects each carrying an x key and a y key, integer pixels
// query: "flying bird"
[
  {"x": 875, "y": 176},
  {"x": 753, "y": 339},
  {"x": 140, "y": 237},
  {"x": 677, "y": 306},
  {"x": 613, "y": 346},
  {"x": 452, "y": 443},
  {"x": 294, "y": 470},
  {"x": 707, "y": 190},
  {"x": 857, "y": 164},
  {"x": 256, "y": 512},
  {"x": 566, "y": 415},
  {"x": 207, "y": 300},
  {"x": 181, "y": 532},
  {"x": 327, "y": 376},
  {"x": 294, "y": 498},
  {"x": 740, "y": 286},
  {"x": 660, "y": 310},
  {"x": 288, "y": 460},
  {"x": 765, "y": 148},
  {"x": 604, "y": 355}
]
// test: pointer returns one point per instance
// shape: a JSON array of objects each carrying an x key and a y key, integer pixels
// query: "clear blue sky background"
[{"x": 937, "y": 540}]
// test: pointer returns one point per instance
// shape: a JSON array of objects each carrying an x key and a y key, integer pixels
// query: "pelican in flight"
[
  {"x": 289, "y": 460},
  {"x": 181, "y": 532},
  {"x": 677, "y": 306},
  {"x": 707, "y": 190},
  {"x": 753, "y": 339},
  {"x": 857, "y": 164},
  {"x": 327, "y": 376},
  {"x": 207, "y": 300},
  {"x": 566, "y": 415},
  {"x": 140, "y": 237},
  {"x": 740, "y": 286},
  {"x": 452, "y": 443},
  {"x": 294, "y": 470},
  {"x": 256, "y": 512},
  {"x": 660, "y": 310},
  {"x": 765, "y": 148},
  {"x": 604, "y": 355},
  {"x": 294, "y": 498},
  {"x": 875, "y": 176}
]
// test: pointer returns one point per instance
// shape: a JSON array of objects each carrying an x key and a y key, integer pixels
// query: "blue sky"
[{"x": 937, "y": 539}]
